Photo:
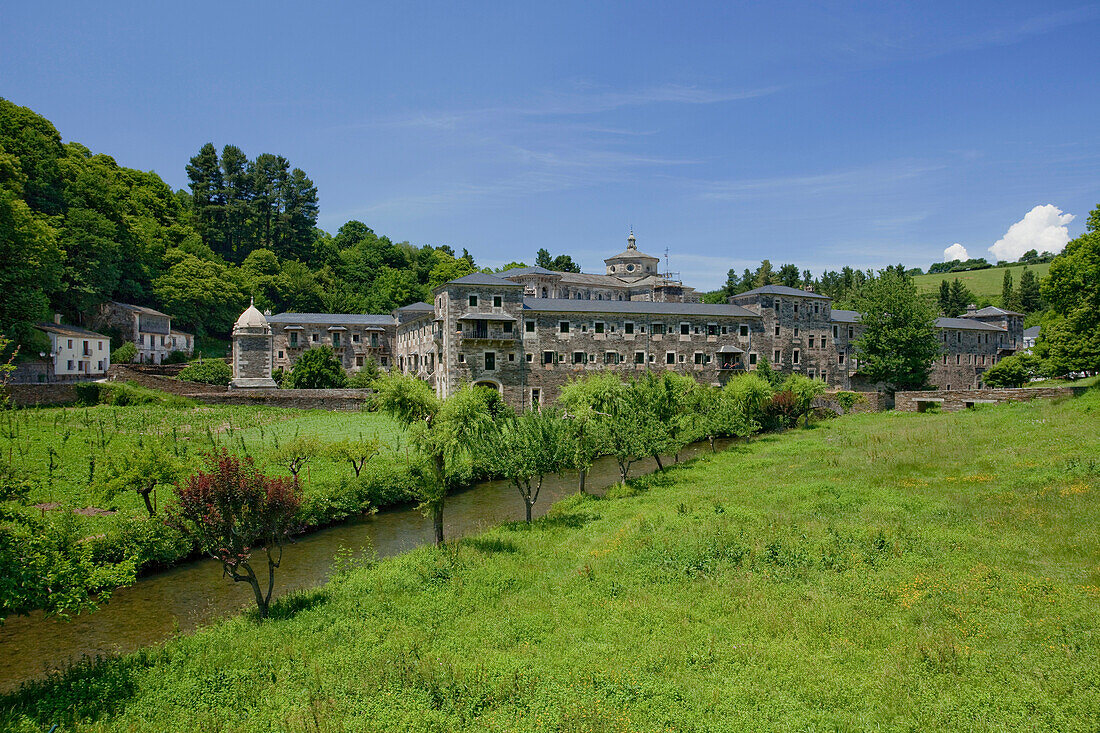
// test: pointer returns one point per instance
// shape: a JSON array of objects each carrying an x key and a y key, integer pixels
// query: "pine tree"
[
  {"x": 208, "y": 198},
  {"x": 945, "y": 297},
  {"x": 1031, "y": 298},
  {"x": 1008, "y": 294}
]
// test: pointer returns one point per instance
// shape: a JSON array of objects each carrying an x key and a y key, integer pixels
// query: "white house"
[{"x": 76, "y": 353}]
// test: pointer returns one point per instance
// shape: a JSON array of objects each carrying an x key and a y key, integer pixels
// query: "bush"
[
  {"x": 87, "y": 393},
  {"x": 124, "y": 354},
  {"x": 317, "y": 369},
  {"x": 279, "y": 376},
  {"x": 364, "y": 378},
  {"x": 121, "y": 394},
  {"x": 848, "y": 400},
  {"x": 176, "y": 357},
  {"x": 209, "y": 371},
  {"x": 1013, "y": 371}
]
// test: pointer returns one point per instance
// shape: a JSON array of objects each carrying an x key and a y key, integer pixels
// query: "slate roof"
[
  {"x": 1031, "y": 333},
  {"x": 843, "y": 316},
  {"x": 782, "y": 290},
  {"x": 634, "y": 307},
  {"x": 332, "y": 319},
  {"x": 991, "y": 310},
  {"x": 584, "y": 278},
  {"x": 519, "y": 271},
  {"x": 67, "y": 330},
  {"x": 139, "y": 309},
  {"x": 631, "y": 254},
  {"x": 484, "y": 278},
  {"x": 966, "y": 324}
]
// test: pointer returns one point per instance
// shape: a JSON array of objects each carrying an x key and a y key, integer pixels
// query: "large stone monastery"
[{"x": 527, "y": 331}]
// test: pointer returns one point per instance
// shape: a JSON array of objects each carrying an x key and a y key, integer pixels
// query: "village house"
[
  {"x": 76, "y": 354},
  {"x": 149, "y": 330}
]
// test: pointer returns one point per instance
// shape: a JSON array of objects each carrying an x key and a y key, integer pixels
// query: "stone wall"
[
  {"x": 348, "y": 400},
  {"x": 146, "y": 378},
  {"x": 41, "y": 395},
  {"x": 954, "y": 400}
]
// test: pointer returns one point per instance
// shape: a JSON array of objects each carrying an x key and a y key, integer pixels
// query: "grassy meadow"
[
  {"x": 885, "y": 571},
  {"x": 983, "y": 283}
]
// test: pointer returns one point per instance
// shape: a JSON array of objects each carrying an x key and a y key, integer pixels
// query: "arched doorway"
[{"x": 490, "y": 383}]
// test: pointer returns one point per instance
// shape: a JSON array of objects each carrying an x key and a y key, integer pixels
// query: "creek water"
[{"x": 187, "y": 596}]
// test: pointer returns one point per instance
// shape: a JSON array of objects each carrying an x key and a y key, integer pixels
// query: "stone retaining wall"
[
  {"x": 42, "y": 395},
  {"x": 300, "y": 399},
  {"x": 146, "y": 378},
  {"x": 953, "y": 400}
]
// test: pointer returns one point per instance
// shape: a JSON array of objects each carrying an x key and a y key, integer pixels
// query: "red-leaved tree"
[{"x": 233, "y": 510}]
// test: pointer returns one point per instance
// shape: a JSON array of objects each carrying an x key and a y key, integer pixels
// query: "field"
[
  {"x": 983, "y": 283},
  {"x": 885, "y": 571}
]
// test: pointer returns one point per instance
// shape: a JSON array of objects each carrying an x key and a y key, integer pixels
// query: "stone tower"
[
  {"x": 632, "y": 264},
  {"x": 252, "y": 351}
]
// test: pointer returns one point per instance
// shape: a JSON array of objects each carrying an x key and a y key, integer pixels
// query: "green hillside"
[
  {"x": 876, "y": 572},
  {"x": 983, "y": 283}
]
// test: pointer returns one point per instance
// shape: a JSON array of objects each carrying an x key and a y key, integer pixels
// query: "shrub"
[
  {"x": 208, "y": 371},
  {"x": 364, "y": 378},
  {"x": 317, "y": 369},
  {"x": 124, "y": 354},
  {"x": 279, "y": 375},
  {"x": 176, "y": 357},
  {"x": 848, "y": 400},
  {"x": 1013, "y": 371},
  {"x": 87, "y": 393}
]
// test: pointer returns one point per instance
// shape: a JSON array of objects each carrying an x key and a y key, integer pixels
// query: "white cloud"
[
  {"x": 955, "y": 252},
  {"x": 1043, "y": 229}
]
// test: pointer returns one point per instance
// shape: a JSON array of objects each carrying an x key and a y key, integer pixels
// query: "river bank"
[{"x": 887, "y": 571}]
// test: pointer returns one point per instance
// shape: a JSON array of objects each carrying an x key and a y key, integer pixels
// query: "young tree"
[
  {"x": 355, "y": 451},
  {"x": 231, "y": 510},
  {"x": 899, "y": 342},
  {"x": 317, "y": 368},
  {"x": 714, "y": 413},
  {"x": 142, "y": 470},
  {"x": 526, "y": 447},
  {"x": 442, "y": 431},
  {"x": 296, "y": 453},
  {"x": 752, "y": 394},
  {"x": 1013, "y": 371},
  {"x": 804, "y": 390},
  {"x": 579, "y": 397}
]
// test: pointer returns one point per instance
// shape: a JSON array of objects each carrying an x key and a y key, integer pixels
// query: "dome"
[{"x": 251, "y": 318}]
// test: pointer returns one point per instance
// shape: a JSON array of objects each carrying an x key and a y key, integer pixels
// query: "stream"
[{"x": 187, "y": 596}]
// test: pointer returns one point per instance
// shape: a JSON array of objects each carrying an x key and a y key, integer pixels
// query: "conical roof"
[{"x": 251, "y": 318}]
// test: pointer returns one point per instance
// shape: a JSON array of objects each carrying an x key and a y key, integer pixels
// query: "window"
[
  {"x": 100, "y": 365},
  {"x": 473, "y": 301},
  {"x": 280, "y": 355},
  {"x": 670, "y": 357},
  {"x": 851, "y": 332},
  {"x": 840, "y": 358},
  {"x": 71, "y": 344},
  {"x": 355, "y": 338},
  {"x": 824, "y": 376},
  {"x": 796, "y": 309},
  {"x": 358, "y": 361},
  {"x": 335, "y": 338},
  {"x": 563, "y": 327},
  {"x": 658, "y": 329},
  {"x": 536, "y": 397},
  {"x": 712, "y": 329},
  {"x": 752, "y": 358},
  {"x": 294, "y": 338},
  {"x": 461, "y": 358},
  {"x": 958, "y": 358},
  {"x": 529, "y": 326},
  {"x": 599, "y": 326},
  {"x": 628, "y": 328},
  {"x": 490, "y": 361},
  {"x": 777, "y": 356},
  {"x": 99, "y": 345},
  {"x": 652, "y": 358},
  {"x": 511, "y": 357},
  {"x": 313, "y": 337},
  {"x": 796, "y": 331},
  {"x": 699, "y": 357},
  {"x": 811, "y": 342},
  {"x": 685, "y": 329},
  {"x": 548, "y": 357},
  {"x": 817, "y": 308},
  {"x": 811, "y": 372},
  {"x": 578, "y": 357},
  {"x": 508, "y": 327},
  {"x": 639, "y": 357},
  {"x": 497, "y": 301},
  {"x": 72, "y": 365},
  {"x": 836, "y": 335},
  {"x": 744, "y": 330},
  {"x": 611, "y": 357},
  {"x": 777, "y": 329},
  {"x": 530, "y": 358},
  {"x": 374, "y": 340},
  {"x": 794, "y": 356},
  {"x": 945, "y": 358},
  {"x": 681, "y": 358}
]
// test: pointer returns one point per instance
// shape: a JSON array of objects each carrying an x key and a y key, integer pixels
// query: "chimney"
[
  {"x": 971, "y": 309},
  {"x": 57, "y": 318}
]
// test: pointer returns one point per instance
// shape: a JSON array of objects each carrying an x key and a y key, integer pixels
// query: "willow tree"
[
  {"x": 527, "y": 447},
  {"x": 442, "y": 431}
]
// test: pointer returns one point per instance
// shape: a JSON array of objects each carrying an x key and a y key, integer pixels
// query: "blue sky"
[{"x": 820, "y": 134}]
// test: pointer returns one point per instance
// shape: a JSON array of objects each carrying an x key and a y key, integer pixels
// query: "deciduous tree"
[{"x": 899, "y": 341}]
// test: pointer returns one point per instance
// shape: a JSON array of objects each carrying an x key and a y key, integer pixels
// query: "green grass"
[
  {"x": 885, "y": 571},
  {"x": 72, "y": 438},
  {"x": 983, "y": 283}
]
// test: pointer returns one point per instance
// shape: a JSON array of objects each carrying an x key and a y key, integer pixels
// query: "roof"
[
  {"x": 484, "y": 278},
  {"x": 251, "y": 318},
  {"x": 333, "y": 319},
  {"x": 416, "y": 307},
  {"x": 67, "y": 330},
  {"x": 584, "y": 278},
  {"x": 843, "y": 316},
  {"x": 519, "y": 271},
  {"x": 1031, "y": 333},
  {"x": 635, "y": 307},
  {"x": 991, "y": 310},
  {"x": 177, "y": 332},
  {"x": 139, "y": 309},
  {"x": 781, "y": 290},
  {"x": 475, "y": 316},
  {"x": 966, "y": 324},
  {"x": 632, "y": 254}
]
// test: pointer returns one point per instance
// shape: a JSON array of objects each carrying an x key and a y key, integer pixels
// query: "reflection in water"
[{"x": 185, "y": 597}]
